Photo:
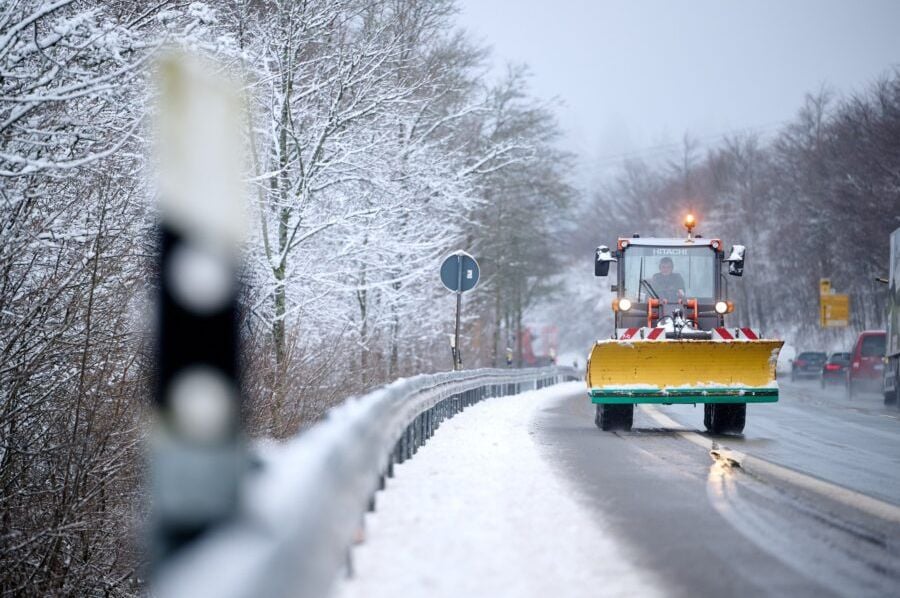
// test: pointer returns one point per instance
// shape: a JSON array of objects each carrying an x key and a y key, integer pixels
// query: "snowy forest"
[{"x": 380, "y": 140}]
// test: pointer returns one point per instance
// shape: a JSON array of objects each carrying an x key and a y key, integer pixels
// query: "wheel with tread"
[
  {"x": 614, "y": 417},
  {"x": 726, "y": 418}
]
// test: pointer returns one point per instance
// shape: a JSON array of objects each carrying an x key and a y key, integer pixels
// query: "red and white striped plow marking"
[
  {"x": 644, "y": 333},
  {"x": 730, "y": 334}
]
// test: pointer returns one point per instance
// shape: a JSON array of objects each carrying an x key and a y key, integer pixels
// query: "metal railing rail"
[{"x": 302, "y": 508}]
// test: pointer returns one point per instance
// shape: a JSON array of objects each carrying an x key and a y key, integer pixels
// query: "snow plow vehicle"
[{"x": 671, "y": 345}]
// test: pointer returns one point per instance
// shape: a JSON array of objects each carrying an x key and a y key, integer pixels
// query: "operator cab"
[{"x": 670, "y": 283}]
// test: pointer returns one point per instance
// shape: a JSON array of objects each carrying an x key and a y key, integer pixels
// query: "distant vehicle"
[
  {"x": 807, "y": 365},
  {"x": 866, "y": 363},
  {"x": 834, "y": 371},
  {"x": 891, "y": 384}
]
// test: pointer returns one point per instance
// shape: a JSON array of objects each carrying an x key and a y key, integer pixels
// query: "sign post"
[{"x": 459, "y": 273}]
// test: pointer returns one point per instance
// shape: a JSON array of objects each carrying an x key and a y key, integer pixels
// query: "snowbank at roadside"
[{"x": 479, "y": 511}]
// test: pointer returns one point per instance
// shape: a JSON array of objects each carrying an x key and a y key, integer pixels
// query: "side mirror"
[
  {"x": 602, "y": 259},
  {"x": 736, "y": 260}
]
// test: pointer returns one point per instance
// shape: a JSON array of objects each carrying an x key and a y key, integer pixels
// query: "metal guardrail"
[{"x": 301, "y": 510}]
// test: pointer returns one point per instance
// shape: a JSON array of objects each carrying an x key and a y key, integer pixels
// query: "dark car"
[
  {"x": 807, "y": 365},
  {"x": 835, "y": 369},
  {"x": 866, "y": 362}
]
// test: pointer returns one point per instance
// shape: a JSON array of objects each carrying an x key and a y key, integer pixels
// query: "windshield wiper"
[{"x": 646, "y": 284}]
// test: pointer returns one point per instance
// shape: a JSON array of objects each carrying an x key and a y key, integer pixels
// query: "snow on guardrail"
[{"x": 302, "y": 508}]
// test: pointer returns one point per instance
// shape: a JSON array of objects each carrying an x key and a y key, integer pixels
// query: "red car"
[{"x": 866, "y": 362}]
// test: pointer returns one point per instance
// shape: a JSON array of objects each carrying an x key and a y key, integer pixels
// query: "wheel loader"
[{"x": 671, "y": 343}]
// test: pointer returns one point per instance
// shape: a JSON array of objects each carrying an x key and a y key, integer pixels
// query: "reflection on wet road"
[
  {"x": 707, "y": 528},
  {"x": 855, "y": 444}
]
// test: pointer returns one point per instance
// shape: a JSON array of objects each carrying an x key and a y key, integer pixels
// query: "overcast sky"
[{"x": 634, "y": 74}]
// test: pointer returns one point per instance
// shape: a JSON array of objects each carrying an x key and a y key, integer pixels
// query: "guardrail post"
[
  {"x": 424, "y": 427},
  {"x": 404, "y": 439},
  {"x": 408, "y": 443},
  {"x": 401, "y": 450}
]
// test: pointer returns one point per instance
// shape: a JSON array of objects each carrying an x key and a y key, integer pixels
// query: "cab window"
[{"x": 695, "y": 265}]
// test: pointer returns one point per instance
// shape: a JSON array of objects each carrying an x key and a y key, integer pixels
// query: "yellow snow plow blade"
[{"x": 683, "y": 371}]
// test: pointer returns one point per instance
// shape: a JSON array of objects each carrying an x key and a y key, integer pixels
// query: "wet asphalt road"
[{"x": 703, "y": 528}]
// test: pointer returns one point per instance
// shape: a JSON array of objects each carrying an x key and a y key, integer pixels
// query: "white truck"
[{"x": 892, "y": 349}]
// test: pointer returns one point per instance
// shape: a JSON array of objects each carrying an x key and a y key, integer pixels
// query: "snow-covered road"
[{"x": 481, "y": 511}]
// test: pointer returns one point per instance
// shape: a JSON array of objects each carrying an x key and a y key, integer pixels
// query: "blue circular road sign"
[{"x": 460, "y": 272}]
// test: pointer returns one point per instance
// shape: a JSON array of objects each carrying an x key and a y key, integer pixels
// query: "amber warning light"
[{"x": 690, "y": 222}]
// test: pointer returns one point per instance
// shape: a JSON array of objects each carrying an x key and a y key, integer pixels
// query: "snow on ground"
[{"x": 479, "y": 511}]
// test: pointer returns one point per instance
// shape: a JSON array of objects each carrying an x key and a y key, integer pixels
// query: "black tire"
[
  {"x": 707, "y": 415},
  {"x": 890, "y": 397},
  {"x": 727, "y": 418},
  {"x": 614, "y": 417}
]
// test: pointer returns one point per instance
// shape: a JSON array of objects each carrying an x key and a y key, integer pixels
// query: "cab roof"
[{"x": 669, "y": 241}]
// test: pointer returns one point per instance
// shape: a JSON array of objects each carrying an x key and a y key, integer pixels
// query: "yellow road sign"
[{"x": 834, "y": 311}]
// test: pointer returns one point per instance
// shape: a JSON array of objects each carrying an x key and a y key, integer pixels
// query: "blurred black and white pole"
[
  {"x": 457, "y": 362},
  {"x": 197, "y": 455}
]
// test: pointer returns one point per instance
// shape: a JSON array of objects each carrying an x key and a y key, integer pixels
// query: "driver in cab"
[{"x": 668, "y": 285}]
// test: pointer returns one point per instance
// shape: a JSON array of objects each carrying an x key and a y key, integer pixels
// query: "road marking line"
[{"x": 840, "y": 494}]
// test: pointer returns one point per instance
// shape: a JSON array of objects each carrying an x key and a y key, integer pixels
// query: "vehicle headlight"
[
  {"x": 721, "y": 308},
  {"x": 624, "y": 304}
]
